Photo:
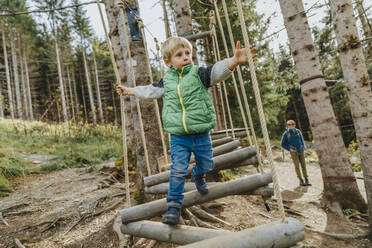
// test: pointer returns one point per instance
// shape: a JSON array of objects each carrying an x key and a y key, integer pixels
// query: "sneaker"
[
  {"x": 200, "y": 183},
  {"x": 172, "y": 216},
  {"x": 307, "y": 183},
  {"x": 302, "y": 183}
]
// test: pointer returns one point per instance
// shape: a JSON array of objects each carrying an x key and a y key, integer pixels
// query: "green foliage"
[{"x": 72, "y": 145}]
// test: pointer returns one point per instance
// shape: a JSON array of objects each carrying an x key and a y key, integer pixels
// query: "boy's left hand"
[{"x": 241, "y": 55}]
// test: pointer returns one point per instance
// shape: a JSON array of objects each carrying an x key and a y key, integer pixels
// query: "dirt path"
[{"x": 74, "y": 208}]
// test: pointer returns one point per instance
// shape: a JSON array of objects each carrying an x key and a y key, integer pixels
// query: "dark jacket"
[{"x": 293, "y": 139}]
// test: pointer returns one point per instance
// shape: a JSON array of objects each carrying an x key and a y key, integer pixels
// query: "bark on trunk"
[
  {"x": 98, "y": 90},
  {"x": 367, "y": 30},
  {"x": 141, "y": 77},
  {"x": 89, "y": 86},
  {"x": 223, "y": 161},
  {"x": 112, "y": 14},
  {"x": 180, "y": 234},
  {"x": 61, "y": 87},
  {"x": 16, "y": 78},
  {"x": 357, "y": 85},
  {"x": 166, "y": 20},
  {"x": 75, "y": 95},
  {"x": 298, "y": 118},
  {"x": 182, "y": 14},
  {"x": 23, "y": 80},
  {"x": 83, "y": 97},
  {"x": 218, "y": 142},
  {"x": 8, "y": 82},
  {"x": 1, "y": 102},
  {"x": 340, "y": 188},
  {"x": 71, "y": 95},
  {"x": 235, "y": 187},
  {"x": 276, "y": 234},
  {"x": 28, "y": 86}
]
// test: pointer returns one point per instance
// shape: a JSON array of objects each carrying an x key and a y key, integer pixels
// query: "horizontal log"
[
  {"x": 198, "y": 35},
  {"x": 228, "y": 131},
  {"x": 179, "y": 234},
  {"x": 222, "y": 149},
  {"x": 163, "y": 189},
  {"x": 221, "y": 135},
  {"x": 228, "y": 159},
  {"x": 221, "y": 141},
  {"x": 234, "y": 187},
  {"x": 276, "y": 234}
]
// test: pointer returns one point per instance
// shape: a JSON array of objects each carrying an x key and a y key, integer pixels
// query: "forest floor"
[{"x": 77, "y": 207}]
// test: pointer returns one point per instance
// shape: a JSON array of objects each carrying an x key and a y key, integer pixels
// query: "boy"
[
  {"x": 293, "y": 142},
  {"x": 188, "y": 114}
]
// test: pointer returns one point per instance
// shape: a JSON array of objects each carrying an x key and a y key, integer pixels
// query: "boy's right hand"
[{"x": 124, "y": 91}]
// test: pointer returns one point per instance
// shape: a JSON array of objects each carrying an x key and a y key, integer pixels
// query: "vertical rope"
[
  {"x": 121, "y": 5},
  {"x": 139, "y": 20},
  {"x": 240, "y": 77},
  {"x": 261, "y": 112},
  {"x": 124, "y": 132},
  {"x": 233, "y": 75},
  {"x": 223, "y": 84}
]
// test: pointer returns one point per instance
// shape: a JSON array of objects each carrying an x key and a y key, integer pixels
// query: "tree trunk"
[
  {"x": 71, "y": 95},
  {"x": 357, "y": 85},
  {"x": 112, "y": 14},
  {"x": 83, "y": 97},
  {"x": 9, "y": 85},
  {"x": 23, "y": 79},
  {"x": 98, "y": 90},
  {"x": 298, "y": 118},
  {"x": 142, "y": 77},
  {"x": 166, "y": 19},
  {"x": 276, "y": 234},
  {"x": 1, "y": 102},
  {"x": 75, "y": 95},
  {"x": 234, "y": 187},
  {"x": 340, "y": 188},
  {"x": 16, "y": 78},
  {"x": 61, "y": 87},
  {"x": 28, "y": 86},
  {"x": 182, "y": 13},
  {"x": 367, "y": 30},
  {"x": 89, "y": 86}
]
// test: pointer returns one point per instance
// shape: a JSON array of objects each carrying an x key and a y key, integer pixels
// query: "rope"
[
  {"x": 121, "y": 5},
  {"x": 223, "y": 84},
  {"x": 261, "y": 112},
  {"x": 124, "y": 132},
  {"x": 240, "y": 77},
  {"x": 218, "y": 85},
  {"x": 139, "y": 20},
  {"x": 233, "y": 75}
]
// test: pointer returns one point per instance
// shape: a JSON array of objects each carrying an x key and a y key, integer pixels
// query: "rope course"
[
  {"x": 124, "y": 132},
  {"x": 233, "y": 75},
  {"x": 121, "y": 5},
  {"x": 216, "y": 46},
  {"x": 261, "y": 113},
  {"x": 139, "y": 20}
]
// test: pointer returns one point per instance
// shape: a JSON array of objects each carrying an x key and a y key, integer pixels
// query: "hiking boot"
[
  {"x": 307, "y": 183},
  {"x": 302, "y": 183},
  {"x": 172, "y": 216},
  {"x": 200, "y": 183}
]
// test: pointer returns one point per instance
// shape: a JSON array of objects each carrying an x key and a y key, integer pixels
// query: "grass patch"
[{"x": 72, "y": 145}]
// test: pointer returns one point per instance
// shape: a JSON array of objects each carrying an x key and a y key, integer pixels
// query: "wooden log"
[
  {"x": 221, "y": 135},
  {"x": 222, "y": 161},
  {"x": 221, "y": 141},
  {"x": 276, "y": 234},
  {"x": 197, "y": 36},
  {"x": 222, "y": 149},
  {"x": 155, "y": 208},
  {"x": 179, "y": 234},
  {"x": 228, "y": 131},
  {"x": 163, "y": 189}
]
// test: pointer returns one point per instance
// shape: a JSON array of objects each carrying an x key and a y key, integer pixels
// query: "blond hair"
[
  {"x": 290, "y": 122},
  {"x": 171, "y": 44}
]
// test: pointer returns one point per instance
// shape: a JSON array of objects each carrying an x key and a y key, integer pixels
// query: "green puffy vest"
[{"x": 187, "y": 107}]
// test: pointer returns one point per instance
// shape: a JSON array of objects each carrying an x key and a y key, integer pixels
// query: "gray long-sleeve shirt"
[{"x": 209, "y": 76}]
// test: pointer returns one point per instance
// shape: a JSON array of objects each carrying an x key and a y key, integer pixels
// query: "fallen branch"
[
  {"x": 51, "y": 225},
  {"x": 191, "y": 217},
  {"x": 3, "y": 220},
  {"x": 339, "y": 236},
  {"x": 14, "y": 206},
  {"x": 18, "y": 243},
  {"x": 204, "y": 214}
]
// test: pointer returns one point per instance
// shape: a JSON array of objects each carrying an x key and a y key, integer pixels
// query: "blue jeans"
[{"x": 181, "y": 148}]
